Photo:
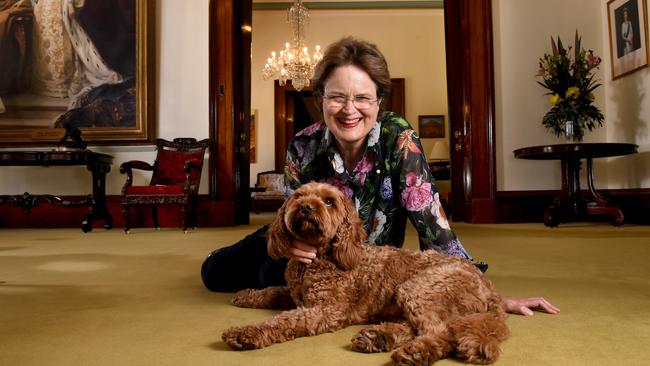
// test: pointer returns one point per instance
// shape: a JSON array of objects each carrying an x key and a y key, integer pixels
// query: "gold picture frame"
[
  {"x": 628, "y": 34},
  {"x": 33, "y": 124}
]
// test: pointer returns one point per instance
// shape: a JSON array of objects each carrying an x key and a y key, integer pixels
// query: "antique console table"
[
  {"x": 98, "y": 164},
  {"x": 570, "y": 204}
]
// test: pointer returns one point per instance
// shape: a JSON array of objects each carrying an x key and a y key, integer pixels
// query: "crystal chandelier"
[{"x": 294, "y": 62}]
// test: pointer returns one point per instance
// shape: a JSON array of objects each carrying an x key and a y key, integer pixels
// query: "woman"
[
  {"x": 374, "y": 157},
  {"x": 626, "y": 32}
]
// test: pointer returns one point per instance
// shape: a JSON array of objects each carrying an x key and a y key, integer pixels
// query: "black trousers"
[{"x": 245, "y": 264}]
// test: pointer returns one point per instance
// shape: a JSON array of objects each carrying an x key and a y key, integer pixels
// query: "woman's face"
[{"x": 350, "y": 125}]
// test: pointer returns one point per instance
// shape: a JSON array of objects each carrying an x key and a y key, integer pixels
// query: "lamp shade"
[{"x": 440, "y": 150}]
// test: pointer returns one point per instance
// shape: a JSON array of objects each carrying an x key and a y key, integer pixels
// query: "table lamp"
[{"x": 440, "y": 151}]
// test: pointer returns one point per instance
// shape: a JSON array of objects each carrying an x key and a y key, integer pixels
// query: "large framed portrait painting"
[
  {"x": 628, "y": 32},
  {"x": 73, "y": 63}
]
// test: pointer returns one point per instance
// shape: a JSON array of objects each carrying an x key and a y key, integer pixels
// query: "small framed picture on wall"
[
  {"x": 431, "y": 126},
  {"x": 628, "y": 32}
]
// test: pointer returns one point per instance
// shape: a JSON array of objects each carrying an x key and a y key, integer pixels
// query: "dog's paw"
[
  {"x": 410, "y": 359},
  {"x": 370, "y": 340},
  {"x": 243, "y": 338},
  {"x": 413, "y": 354},
  {"x": 382, "y": 337},
  {"x": 245, "y": 298},
  {"x": 478, "y": 350}
]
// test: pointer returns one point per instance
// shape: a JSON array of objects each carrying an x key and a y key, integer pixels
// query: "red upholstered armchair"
[{"x": 175, "y": 180}]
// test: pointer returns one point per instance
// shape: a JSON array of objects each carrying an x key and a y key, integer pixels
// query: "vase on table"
[{"x": 572, "y": 132}]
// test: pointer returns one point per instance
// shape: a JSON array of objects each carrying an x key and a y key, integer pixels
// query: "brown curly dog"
[{"x": 424, "y": 306}]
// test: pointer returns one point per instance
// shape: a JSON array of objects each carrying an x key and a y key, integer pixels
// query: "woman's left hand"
[{"x": 526, "y": 305}]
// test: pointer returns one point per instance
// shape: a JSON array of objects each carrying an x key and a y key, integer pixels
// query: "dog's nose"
[{"x": 305, "y": 209}]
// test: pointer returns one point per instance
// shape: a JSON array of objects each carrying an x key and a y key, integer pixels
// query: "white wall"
[
  {"x": 412, "y": 41},
  {"x": 182, "y": 100},
  {"x": 628, "y": 119},
  {"x": 522, "y": 31}
]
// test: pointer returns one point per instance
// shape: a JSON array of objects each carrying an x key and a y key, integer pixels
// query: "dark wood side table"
[
  {"x": 570, "y": 205},
  {"x": 98, "y": 164},
  {"x": 440, "y": 170}
]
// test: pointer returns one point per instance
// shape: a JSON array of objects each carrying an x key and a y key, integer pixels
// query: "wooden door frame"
[
  {"x": 470, "y": 88},
  {"x": 229, "y": 96}
]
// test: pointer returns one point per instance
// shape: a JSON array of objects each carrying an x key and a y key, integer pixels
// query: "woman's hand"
[
  {"x": 526, "y": 305},
  {"x": 302, "y": 251}
]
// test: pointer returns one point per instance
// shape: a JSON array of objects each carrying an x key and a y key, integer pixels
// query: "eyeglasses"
[{"x": 359, "y": 102}]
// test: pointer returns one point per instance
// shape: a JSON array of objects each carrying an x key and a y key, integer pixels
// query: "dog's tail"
[{"x": 477, "y": 336}]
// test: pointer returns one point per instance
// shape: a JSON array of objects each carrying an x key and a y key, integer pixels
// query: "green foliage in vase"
[{"x": 569, "y": 78}]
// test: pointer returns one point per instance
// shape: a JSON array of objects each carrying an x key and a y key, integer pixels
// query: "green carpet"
[{"x": 107, "y": 298}]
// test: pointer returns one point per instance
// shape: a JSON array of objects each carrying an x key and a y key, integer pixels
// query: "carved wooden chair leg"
[
  {"x": 184, "y": 219},
  {"x": 125, "y": 213},
  {"x": 193, "y": 214},
  {"x": 154, "y": 216}
]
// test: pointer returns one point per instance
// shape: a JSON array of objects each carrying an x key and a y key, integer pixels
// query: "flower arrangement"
[{"x": 569, "y": 77}]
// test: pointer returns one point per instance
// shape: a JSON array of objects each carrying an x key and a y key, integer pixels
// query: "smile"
[{"x": 349, "y": 123}]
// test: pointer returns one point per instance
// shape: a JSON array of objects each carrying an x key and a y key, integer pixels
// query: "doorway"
[{"x": 470, "y": 89}]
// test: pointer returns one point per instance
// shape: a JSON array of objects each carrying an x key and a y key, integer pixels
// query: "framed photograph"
[
  {"x": 431, "y": 126},
  {"x": 628, "y": 33},
  {"x": 89, "y": 65}
]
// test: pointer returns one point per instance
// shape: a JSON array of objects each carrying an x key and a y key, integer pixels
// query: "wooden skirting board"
[
  {"x": 512, "y": 207},
  {"x": 529, "y": 206},
  {"x": 210, "y": 214}
]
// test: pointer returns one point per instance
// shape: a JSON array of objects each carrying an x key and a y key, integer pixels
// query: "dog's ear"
[
  {"x": 279, "y": 239},
  {"x": 349, "y": 236}
]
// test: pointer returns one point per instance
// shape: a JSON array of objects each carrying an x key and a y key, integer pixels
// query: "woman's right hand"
[{"x": 302, "y": 251}]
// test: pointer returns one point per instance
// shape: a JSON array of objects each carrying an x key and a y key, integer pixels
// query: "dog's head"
[{"x": 319, "y": 214}]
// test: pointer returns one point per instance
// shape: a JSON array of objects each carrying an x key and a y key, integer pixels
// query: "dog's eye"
[{"x": 328, "y": 201}]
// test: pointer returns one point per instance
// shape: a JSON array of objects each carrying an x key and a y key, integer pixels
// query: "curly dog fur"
[{"x": 424, "y": 306}]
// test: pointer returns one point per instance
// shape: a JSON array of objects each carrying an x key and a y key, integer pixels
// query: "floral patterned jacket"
[{"x": 390, "y": 183}]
